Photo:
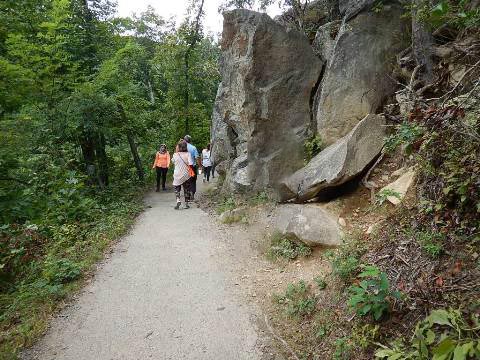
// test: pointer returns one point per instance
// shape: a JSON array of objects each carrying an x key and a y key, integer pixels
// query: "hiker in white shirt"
[{"x": 206, "y": 163}]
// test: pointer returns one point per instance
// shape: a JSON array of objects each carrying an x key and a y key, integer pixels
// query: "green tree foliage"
[{"x": 85, "y": 100}]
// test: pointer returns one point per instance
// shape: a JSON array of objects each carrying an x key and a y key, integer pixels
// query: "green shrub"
[
  {"x": 60, "y": 271},
  {"x": 406, "y": 134},
  {"x": 296, "y": 300},
  {"x": 227, "y": 204},
  {"x": 321, "y": 283},
  {"x": 286, "y": 248},
  {"x": 430, "y": 242},
  {"x": 443, "y": 335},
  {"x": 372, "y": 295},
  {"x": 382, "y": 196},
  {"x": 343, "y": 349},
  {"x": 313, "y": 146},
  {"x": 459, "y": 14},
  {"x": 343, "y": 265},
  {"x": 364, "y": 335}
]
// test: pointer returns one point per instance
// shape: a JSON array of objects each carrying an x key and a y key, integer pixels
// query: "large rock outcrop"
[
  {"x": 356, "y": 80},
  {"x": 262, "y": 114},
  {"x": 339, "y": 162}
]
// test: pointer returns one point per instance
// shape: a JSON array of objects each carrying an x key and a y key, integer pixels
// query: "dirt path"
[{"x": 166, "y": 292}]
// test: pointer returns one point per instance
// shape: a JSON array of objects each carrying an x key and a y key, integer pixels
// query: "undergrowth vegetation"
[
  {"x": 40, "y": 263},
  {"x": 313, "y": 146},
  {"x": 284, "y": 247},
  {"x": 297, "y": 301}
]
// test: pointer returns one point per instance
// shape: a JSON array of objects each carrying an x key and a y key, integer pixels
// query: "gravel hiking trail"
[{"x": 165, "y": 292}]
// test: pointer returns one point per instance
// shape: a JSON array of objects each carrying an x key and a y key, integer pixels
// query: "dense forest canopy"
[{"x": 83, "y": 91}]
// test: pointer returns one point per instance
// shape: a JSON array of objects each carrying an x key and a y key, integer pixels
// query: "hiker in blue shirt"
[{"x": 196, "y": 161}]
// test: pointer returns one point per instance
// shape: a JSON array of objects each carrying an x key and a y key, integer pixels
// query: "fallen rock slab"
[
  {"x": 400, "y": 187},
  {"x": 339, "y": 162},
  {"x": 308, "y": 223}
]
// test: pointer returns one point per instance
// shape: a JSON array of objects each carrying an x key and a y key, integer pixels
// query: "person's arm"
[
  {"x": 168, "y": 159},
  {"x": 155, "y": 160}
]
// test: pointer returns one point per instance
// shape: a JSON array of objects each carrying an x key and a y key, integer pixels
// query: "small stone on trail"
[
  {"x": 221, "y": 308},
  {"x": 342, "y": 222}
]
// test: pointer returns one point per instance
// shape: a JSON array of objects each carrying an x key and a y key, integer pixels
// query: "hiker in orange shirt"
[{"x": 161, "y": 163}]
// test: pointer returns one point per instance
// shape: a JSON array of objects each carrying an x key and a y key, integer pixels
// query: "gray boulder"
[
  {"x": 339, "y": 162},
  {"x": 356, "y": 80},
  {"x": 308, "y": 223},
  {"x": 262, "y": 109},
  {"x": 325, "y": 39},
  {"x": 351, "y": 8}
]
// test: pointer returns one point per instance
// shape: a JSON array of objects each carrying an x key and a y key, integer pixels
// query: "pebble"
[{"x": 342, "y": 222}]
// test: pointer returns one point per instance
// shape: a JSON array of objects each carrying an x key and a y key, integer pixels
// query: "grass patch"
[
  {"x": 233, "y": 217},
  {"x": 283, "y": 247},
  {"x": 321, "y": 283},
  {"x": 297, "y": 300},
  {"x": 228, "y": 203},
  {"x": 260, "y": 198},
  {"x": 431, "y": 243}
]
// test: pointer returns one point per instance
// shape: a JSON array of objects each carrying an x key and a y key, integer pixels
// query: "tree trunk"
[
  {"x": 88, "y": 152},
  {"x": 102, "y": 161},
  {"x": 136, "y": 157},
  {"x": 133, "y": 146},
  {"x": 422, "y": 43},
  {"x": 150, "y": 92}
]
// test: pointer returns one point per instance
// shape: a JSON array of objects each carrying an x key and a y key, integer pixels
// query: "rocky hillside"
[{"x": 374, "y": 122}]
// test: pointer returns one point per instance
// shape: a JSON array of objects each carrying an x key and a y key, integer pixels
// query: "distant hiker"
[
  {"x": 161, "y": 164},
  {"x": 183, "y": 172},
  {"x": 206, "y": 163},
  {"x": 196, "y": 164}
]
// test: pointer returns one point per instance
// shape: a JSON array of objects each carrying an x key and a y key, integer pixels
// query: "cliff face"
[{"x": 277, "y": 91}]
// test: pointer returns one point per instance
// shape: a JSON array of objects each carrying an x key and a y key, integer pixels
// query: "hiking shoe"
[
  {"x": 187, "y": 206},
  {"x": 177, "y": 206}
]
